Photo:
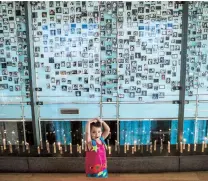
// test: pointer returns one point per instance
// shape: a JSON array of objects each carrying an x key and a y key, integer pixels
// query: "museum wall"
[{"x": 120, "y": 61}]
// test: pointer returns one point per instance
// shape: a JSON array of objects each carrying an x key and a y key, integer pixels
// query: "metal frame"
[
  {"x": 16, "y": 120},
  {"x": 107, "y": 119},
  {"x": 117, "y": 98},
  {"x": 152, "y": 102},
  {"x": 31, "y": 68},
  {"x": 183, "y": 70},
  {"x": 196, "y": 118}
]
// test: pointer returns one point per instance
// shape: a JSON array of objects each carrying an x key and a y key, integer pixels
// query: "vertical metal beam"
[
  {"x": 196, "y": 116},
  {"x": 101, "y": 86},
  {"x": 183, "y": 70},
  {"x": 31, "y": 68},
  {"x": 117, "y": 98}
]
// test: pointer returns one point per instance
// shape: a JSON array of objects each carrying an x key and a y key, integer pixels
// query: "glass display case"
[{"x": 120, "y": 61}]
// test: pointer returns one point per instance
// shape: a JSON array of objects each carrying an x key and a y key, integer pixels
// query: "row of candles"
[
  {"x": 153, "y": 147},
  {"x": 149, "y": 147},
  {"x": 25, "y": 146}
]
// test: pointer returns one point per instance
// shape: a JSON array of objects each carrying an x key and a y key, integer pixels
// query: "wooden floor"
[{"x": 187, "y": 176}]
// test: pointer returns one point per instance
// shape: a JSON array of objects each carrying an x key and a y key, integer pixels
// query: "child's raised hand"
[
  {"x": 93, "y": 120},
  {"x": 100, "y": 120}
]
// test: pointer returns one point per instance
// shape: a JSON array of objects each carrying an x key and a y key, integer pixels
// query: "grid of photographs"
[
  {"x": 149, "y": 45},
  {"x": 66, "y": 43},
  {"x": 108, "y": 50},
  {"x": 14, "y": 75},
  {"x": 126, "y": 51},
  {"x": 197, "y": 66}
]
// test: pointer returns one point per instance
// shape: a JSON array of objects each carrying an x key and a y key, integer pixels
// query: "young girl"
[{"x": 95, "y": 160}]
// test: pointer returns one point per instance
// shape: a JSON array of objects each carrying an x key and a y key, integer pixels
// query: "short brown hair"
[{"x": 97, "y": 125}]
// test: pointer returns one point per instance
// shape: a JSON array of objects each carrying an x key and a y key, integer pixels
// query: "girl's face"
[{"x": 96, "y": 133}]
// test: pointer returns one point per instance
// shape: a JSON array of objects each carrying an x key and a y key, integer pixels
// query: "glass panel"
[
  {"x": 149, "y": 45},
  {"x": 59, "y": 137},
  {"x": 148, "y": 137},
  {"x": 67, "y": 138},
  {"x": 195, "y": 137},
  {"x": 67, "y": 55},
  {"x": 87, "y": 52},
  {"x": 196, "y": 112},
  {"x": 12, "y": 138},
  {"x": 14, "y": 75},
  {"x": 14, "y": 80},
  {"x": 108, "y": 47}
]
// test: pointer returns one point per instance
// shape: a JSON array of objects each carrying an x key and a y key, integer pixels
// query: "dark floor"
[{"x": 181, "y": 176}]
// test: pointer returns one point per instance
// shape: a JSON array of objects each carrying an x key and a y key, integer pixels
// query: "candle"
[
  {"x": 161, "y": 146},
  {"x": 168, "y": 146},
  {"x": 195, "y": 147},
  {"x": 10, "y": 147},
  {"x": 202, "y": 146},
  {"x": 26, "y": 146},
  {"x": 4, "y": 143},
  {"x": 64, "y": 138},
  {"x": 80, "y": 149},
  {"x": 17, "y": 143},
  {"x": 41, "y": 144},
  {"x": 176, "y": 146},
  {"x": 59, "y": 146},
  {"x": 54, "y": 147},
  {"x": 70, "y": 148},
  {"x": 161, "y": 150},
  {"x": 184, "y": 144},
  {"x": 2, "y": 149},
  {"x": 77, "y": 147},
  {"x": 138, "y": 144},
  {"x": 109, "y": 150},
  {"x": 85, "y": 146},
  {"x": 23, "y": 146},
  {"x": 82, "y": 144},
  {"x": 65, "y": 146},
  {"x": 132, "y": 150},
  {"x": 124, "y": 147},
  {"x": 188, "y": 147},
  {"x": 151, "y": 147},
  {"x": 155, "y": 145},
  {"x": 115, "y": 145},
  {"x": 38, "y": 150},
  {"x": 181, "y": 147},
  {"x": 47, "y": 146},
  {"x": 135, "y": 145},
  {"x": 147, "y": 147},
  {"x": 61, "y": 151},
  {"x": 127, "y": 147},
  {"x": 205, "y": 143}
]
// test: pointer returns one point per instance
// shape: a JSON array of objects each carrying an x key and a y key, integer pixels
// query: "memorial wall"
[{"x": 118, "y": 60}]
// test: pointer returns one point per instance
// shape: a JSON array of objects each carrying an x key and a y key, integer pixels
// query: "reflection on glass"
[
  {"x": 148, "y": 137},
  {"x": 195, "y": 131},
  {"x": 11, "y": 138},
  {"x": 132, "y": 132}
]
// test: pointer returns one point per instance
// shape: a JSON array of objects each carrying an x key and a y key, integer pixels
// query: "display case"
[{"x": 141, "y": 66}]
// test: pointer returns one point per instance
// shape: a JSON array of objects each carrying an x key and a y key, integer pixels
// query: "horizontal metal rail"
[{"x": 106, "y": 119}]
